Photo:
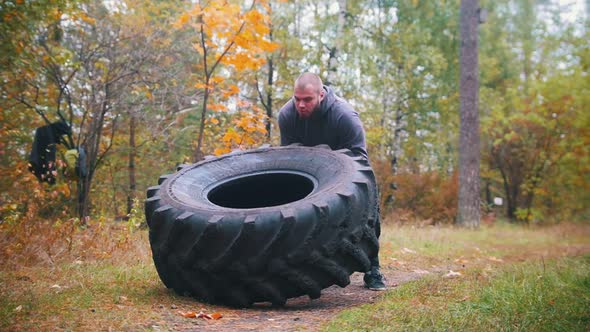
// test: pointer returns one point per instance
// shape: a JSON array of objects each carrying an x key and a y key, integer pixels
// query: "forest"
[{"x": 146, "y": 86}]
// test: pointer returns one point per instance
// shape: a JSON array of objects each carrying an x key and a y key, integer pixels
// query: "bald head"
[
  {"x": 309, "y": 79},
  {"x": 308, "y": 94}
]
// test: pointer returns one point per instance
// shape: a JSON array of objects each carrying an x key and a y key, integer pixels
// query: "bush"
[{"x": 425, "y": 196}]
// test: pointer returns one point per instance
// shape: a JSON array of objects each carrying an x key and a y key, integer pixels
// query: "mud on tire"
[{"x": 263, "y": 225}]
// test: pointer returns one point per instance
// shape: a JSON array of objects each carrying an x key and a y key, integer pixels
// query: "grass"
[
  {"x": 550, "y": 296},
  {"x": 103, "y": 278},
  {"x": 108, "y": 283}
]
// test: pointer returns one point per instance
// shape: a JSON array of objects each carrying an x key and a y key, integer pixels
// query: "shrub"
[{"x": 430, "y": 197}]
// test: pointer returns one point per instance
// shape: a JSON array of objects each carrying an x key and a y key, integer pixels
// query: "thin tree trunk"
[
  {"x": 198, "y": 154},
  {"x": 469, "y": 149},
  {"x": 269, "y": 88},
  {"x": 336, "y": 48},
  {"x": 269, "y": 98},
  {"x": 397, "y": 130},
  {"x": 131, "y": 167}
]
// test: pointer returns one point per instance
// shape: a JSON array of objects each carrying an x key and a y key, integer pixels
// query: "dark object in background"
[{"x": 42, "y": 157}]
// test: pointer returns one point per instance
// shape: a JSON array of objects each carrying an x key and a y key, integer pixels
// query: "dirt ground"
[
  {"x": 299, "y": 314},
  {"x": 303, "y": 314}
]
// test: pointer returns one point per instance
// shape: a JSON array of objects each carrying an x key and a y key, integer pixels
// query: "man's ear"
[{"x": 322, "y": 94}]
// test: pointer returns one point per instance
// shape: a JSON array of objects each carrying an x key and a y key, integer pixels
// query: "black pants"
[{"x": 375, "y": 259}]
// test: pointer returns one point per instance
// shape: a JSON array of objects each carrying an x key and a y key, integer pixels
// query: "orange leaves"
[
  {"x": 184, "y": 18},
  {"x": 231, "y": 90},
  {"x": 193, "y": 314},
  {"x": 248, "y": 130},
  {"x": 236, "y": 36},
  {"x": 258, "y": 21},
  {"x": 217, "y": 107}
]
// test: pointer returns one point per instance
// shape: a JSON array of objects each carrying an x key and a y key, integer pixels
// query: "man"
[{"x": 315, "y": 115}]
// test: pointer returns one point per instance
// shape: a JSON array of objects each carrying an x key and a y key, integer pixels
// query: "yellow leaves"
[
  {"x": 220, "y": 151},
  {"x": 203, "y": 86},
  {"x": 232, "y": 90},
  {"x": 216, "y": 79},
  {"x": 248, "y": 130},
  {"x": 184, "y": 18},
  {"x": 212, "y": 82},
  {"x": 84, "y": 18},
  {"x": 250, "y": 123},
  {"x": 217, "y": 107},
  {"x": 268, "y": 46},
  {"x": 258, "y": 22},
  {"x": 234, "y": 35},
  {"x": 56, "y": 14},
  {"x": 231, "y": 136}
]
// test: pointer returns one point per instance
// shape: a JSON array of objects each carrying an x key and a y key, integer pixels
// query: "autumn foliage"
[
  {"x": 424, "y": 197},
  {"x": 229, "y": 36},
  {"x": 169, "y": 82}
]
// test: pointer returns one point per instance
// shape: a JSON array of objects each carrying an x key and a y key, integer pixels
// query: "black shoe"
[{"x": 374, "y": 280}]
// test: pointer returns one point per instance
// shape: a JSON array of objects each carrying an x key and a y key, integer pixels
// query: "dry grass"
[{"x": 70, "y": 278}]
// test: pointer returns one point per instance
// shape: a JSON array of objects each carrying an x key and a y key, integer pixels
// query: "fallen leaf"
[
  {"x": 453, "y": 274},
  {"x": 192, "y": 314},
  {"x": 56, "y": 286},
  {"x": 188, "y": 314},
  {"x": 204, "y": 315},
  {"x": 421, "y": 271},
  {"x": 461, "y": 261},
  {"x": 216, "y": 315},
  {"x": 19, "y": 308}
]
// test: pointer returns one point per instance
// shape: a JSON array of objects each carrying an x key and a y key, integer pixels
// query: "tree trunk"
[
  {"x": 397, "y": 130},
  {"x": 269, "y": 98},
  {"x": 198, "y": 154},
  {"x": 469, "y": 150},
  {"x": 131, "y": 166},
  {"x": 333, "y": 59}
]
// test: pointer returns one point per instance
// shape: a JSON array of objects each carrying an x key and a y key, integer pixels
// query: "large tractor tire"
[{"x": 263, "y": 225}]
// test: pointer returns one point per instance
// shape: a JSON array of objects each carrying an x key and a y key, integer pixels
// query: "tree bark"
[
  {"x": 469, "y": 149},
  {"x": 198, "y": 153},
  {"x": 269, "y": 98},
  {"x": 131, "y": 166},
  {"x": 337, "y": 47}
]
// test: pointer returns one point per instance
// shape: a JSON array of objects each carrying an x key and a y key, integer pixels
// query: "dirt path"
[
  {"x": 303, "y": 314},
  {"x": 299, "y": 314}
]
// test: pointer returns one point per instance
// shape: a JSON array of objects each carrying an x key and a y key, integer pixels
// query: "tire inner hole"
[{"x": 261, "y": 190}]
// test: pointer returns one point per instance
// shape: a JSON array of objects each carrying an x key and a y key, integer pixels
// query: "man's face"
[{"x": 307, "y": 100}]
